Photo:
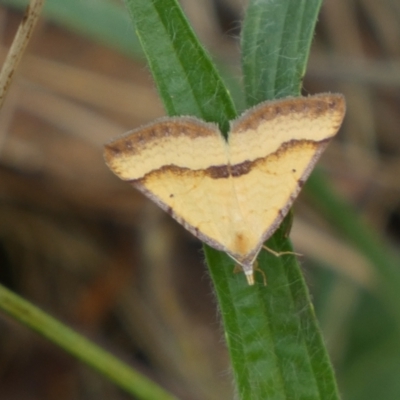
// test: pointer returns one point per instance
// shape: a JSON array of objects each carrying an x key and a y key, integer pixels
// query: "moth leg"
[
  {"x": 237, "y": 269},
  {"x": 280, "y": 253},
  {"x": 258, "y": 269}
]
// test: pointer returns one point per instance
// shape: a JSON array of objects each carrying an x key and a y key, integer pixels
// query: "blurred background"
[{"x": 94, "y": 253}]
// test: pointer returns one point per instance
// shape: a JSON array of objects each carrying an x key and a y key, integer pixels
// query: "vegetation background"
[{"x": 91, "y": 251}]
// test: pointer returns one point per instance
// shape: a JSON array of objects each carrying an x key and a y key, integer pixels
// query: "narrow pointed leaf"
[{"x": 271, "y": 332}]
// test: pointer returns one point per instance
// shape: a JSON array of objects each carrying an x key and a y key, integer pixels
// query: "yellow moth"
[{"x": 232, "y": 194}]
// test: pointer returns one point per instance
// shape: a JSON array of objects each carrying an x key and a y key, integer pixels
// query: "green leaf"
[
  {"x": 275, "y": 344},
  {"x": 184, "y": 74},
  {"x": 271, "y": 332},
  {"x": 275, "y": 47},
  {"x": 276, "y": 40}
]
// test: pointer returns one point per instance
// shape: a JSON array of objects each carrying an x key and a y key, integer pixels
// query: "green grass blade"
[{"x": 121, "y": 374}]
